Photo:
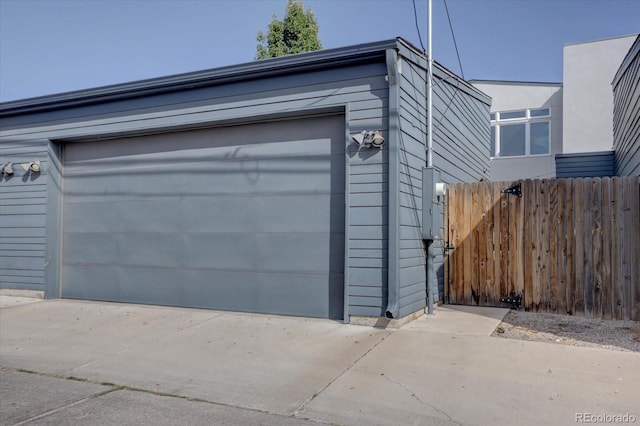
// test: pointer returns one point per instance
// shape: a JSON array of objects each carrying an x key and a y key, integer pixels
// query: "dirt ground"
[{"x": 570, "y": 330}]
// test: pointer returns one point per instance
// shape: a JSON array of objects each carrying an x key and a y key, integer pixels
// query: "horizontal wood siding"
[
  {"x": 23, "y": 199},
  {"x": 461, "y": 154},
  {"x": 412, "y": 157},
  {"x": 369, "y": 203},
  {"x": 461, "y": 144},
  {"x": 461, "y": 134},
  {"x": 362, "y": 89},
  {"x": 626, "y": 115},
  {"x": 595, "y": 164}
]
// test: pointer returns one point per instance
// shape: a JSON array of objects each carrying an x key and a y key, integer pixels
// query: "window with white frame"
[{"x": 521, "y": 133}]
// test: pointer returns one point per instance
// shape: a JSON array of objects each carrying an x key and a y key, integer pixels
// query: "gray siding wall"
[
  {"x": 413, "y": 158},
  {"x": 360, "y": 90},
  {"x": 461, "y": 141},
  {"x": 626, "y": 114},
  {"x": 23, "y": 199},
  {"x": 590, "y": 164},
  {"x": 461, "y": 154}
]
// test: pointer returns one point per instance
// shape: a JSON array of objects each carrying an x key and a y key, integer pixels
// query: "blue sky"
[{"x": 53, "y": 46}]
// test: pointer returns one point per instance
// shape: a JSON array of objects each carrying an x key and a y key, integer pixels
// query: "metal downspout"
[
  {"x": 430, "y": 251},
  {"x": 393, "y": 281}
]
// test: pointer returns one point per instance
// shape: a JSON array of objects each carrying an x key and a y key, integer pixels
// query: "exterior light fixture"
[
  {"x": 7, "y": 169},
  {"x": 377, "y": 140},
  {"x": 368, "y": 139},
  {"x": 34, "y": 167}
]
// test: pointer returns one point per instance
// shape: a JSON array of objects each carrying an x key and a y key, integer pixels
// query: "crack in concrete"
[
  {"x": 297, "y": 413},
  {"x": 417, "y": 398},
  {"x": 180, "y": 330},
  {"x": 116, "y": 387},
  {"x": 69, "y": 405}
]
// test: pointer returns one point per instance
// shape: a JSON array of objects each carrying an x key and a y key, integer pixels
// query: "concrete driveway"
[{"x": 77, "y": 362}]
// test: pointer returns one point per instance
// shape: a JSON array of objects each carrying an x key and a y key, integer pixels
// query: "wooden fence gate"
[{"x": 568, "y": 246}]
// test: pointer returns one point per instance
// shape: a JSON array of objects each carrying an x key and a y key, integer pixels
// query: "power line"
[
  {"x": 455, "y": 44},
  {"x": 415, "y": 17},
  {"x": 454, "y": 38}
]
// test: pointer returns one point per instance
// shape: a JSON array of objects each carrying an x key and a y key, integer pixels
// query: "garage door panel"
[
  {"x": 267, "y": 252},
  {"x": 256, "y": 136},
  {"x": 228, "y": 157},
  {"x": 209, "y": 214},
  {"x": 278, "y": 177},
  {"x": 288, "y": 294},
  {"x": 248, "y": 218},
  {"x": 293, "y": 252}
]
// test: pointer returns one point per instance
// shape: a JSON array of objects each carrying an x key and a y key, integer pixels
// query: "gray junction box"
[{"x": 432, "y": 206}]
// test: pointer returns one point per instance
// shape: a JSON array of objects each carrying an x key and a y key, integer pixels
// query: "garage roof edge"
[{"x": 251, "y": 70}]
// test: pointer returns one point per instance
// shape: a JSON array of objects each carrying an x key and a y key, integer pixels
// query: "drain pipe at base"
[{"x": 430, "y": 276}]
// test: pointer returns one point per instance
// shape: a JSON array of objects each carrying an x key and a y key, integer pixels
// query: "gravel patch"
[{"x": 570, "y": 330}]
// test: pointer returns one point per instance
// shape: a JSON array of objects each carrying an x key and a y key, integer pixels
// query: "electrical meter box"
[{"x": 432, "y": 205}]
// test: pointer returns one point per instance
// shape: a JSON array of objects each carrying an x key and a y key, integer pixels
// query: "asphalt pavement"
[{"x": 78, "y": 362}]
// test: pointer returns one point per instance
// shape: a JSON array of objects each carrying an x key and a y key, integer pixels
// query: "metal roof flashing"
[
  {"x": 310, "y": 61},
  {"x": 515, "y": 83}
]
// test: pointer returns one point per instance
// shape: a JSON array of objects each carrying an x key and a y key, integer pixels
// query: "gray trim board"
[
  {"x": 515, "y": 82},
  {"x": 53, "y": 272},
  {"x": 393, "y": 281},
  {"x": 347, "y": 213}
]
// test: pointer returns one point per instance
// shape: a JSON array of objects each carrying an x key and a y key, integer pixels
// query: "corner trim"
[
  {"x": 347, "y": 212},
  {"x": 393, "y": 275},
  {"x": 53, "y": 229}
]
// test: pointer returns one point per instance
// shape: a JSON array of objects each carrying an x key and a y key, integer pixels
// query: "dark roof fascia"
[
  {"x": 516, "y": 83},
  {"x": 323, "y": 59},
  {"x": 633, "y": 52}
]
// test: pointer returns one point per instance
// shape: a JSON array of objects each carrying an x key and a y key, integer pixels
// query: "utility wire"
[
  {"x": 415, "y": 17},
  {"x": 453, "y": 35},
  {"x": 455, "y": 44}
]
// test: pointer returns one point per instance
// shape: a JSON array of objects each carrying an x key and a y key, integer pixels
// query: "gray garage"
[{"x": 241, "y": 188}]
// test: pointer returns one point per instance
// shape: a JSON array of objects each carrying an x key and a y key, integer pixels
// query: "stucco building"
[{"x": 564, "y": 129}]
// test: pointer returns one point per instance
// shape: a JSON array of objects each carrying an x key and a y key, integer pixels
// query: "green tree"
[{"x": 296, "y": 33}]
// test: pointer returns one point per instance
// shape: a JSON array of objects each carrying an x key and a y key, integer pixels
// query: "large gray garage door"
[{"x": 247, "y": 218}]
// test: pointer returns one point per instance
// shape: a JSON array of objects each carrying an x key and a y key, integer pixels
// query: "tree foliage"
[{"x": 296, "y": 33}]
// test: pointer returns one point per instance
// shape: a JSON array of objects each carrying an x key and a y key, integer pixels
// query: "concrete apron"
[
  {"x": 441, "y": 369},
  {"x": 263, "y": 362}
]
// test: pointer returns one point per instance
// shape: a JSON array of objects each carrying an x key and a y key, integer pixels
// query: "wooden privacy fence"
[{"x": 569, "y": 246}]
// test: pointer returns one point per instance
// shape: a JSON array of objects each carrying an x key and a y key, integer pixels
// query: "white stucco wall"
[
  {"x": 509, "y": 96},
  {"x": 588, "y": 69}
]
